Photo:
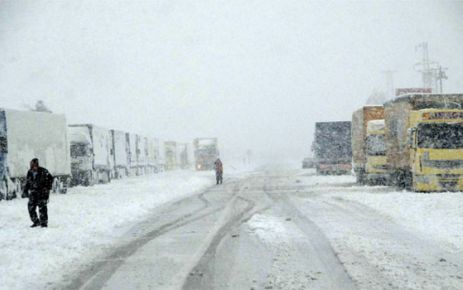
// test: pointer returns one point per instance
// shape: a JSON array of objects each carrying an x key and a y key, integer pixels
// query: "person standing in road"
[
  {"x": 38, "y": 185},
  {"x": 218, "y": 171}
]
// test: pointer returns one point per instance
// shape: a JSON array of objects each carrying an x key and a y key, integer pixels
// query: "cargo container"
[
  {"x": 142, "y": 155},
  {"x": 120, "y": 150},
  {"x": 25, "y": 135},
  {"x": 153, "y": 155},
  {"x": 170, "y": 155},
  {"x": 424, "y": 141},
  {"x": 133, "y": 153},
  {"x": 182, "y": 155}
]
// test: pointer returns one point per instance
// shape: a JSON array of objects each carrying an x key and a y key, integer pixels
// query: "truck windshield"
[
  {"x": 79, "y": 150},
  {"x": 440, "y": 136},
  {"x": 376, "y": 145}
]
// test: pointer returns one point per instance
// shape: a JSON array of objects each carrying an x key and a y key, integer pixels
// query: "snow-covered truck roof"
[
  {"x": 37, "y": 135},
  {"x": 79, "y": 135}
]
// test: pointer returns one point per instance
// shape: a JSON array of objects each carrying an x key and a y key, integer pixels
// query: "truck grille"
[
  {"x": 443, "y": 164},
  {"x": 448, "y": 181}
]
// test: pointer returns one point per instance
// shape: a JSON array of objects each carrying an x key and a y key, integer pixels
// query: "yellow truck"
[
  {"x": 424, "y": 141},
  {"x": 367, "y": 156},
  {"x": 375, "y": 147}
]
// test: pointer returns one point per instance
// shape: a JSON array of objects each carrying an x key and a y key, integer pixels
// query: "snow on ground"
[
  {"x": 386, "y": 238},
  {"x": 437, "y": 215},
  {"x": 81, "y": 223}
]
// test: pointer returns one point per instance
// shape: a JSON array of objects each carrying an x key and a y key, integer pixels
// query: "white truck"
[
  {"x": 171, "y": 155},
  {"x": 133, "y": 154},
  {"x": 153, "y": 155},
  {"x": 91, "y": 156},
  {"x": 183, "y": 158},
  {"x": 25, "y": 135},
  {"x": 120, "y": 148},
  {"x": 142, "y": 155},
  {"x": 162, "y": 155}
]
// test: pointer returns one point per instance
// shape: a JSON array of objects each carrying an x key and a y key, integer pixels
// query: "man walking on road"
[
  {"x": 38, "y": 185},
  {"x": 218, "y": 171}
]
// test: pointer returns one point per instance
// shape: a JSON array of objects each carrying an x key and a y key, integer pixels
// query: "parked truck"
[
  {"x": 25, "y": 135},
  {"x": 134, "y": 152},
  {"x": 153, "y": 155},
  {"x": 170, "y": 155},
  {"x": 120, "y": 150},
  {"x": 142, "y": 155},
  {"x": 182, "y": 155},
  {"x": 206, "y": 151},
  {"x": 424, "y": 140},
  {"x": 332, "y": 147},
  {"x": 91, "y": 156},
  {"x": 362, "y": 144},
  {"x": 376, "y": 167}
]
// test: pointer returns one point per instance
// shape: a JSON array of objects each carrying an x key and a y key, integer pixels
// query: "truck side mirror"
[{"x": 411, "y": 134}]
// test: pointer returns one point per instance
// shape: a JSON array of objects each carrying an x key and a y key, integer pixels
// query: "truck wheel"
[{"x": 3, "y": 189}]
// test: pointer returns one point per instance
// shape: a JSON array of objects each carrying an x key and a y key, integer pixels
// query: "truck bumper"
[
  {"x": 332, "y": 169},
  {"x": 438, "y": 183},
  {"x": 378, "y": 178}
]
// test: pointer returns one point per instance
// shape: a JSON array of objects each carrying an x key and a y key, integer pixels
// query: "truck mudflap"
[{"x": 438, "y": 183}]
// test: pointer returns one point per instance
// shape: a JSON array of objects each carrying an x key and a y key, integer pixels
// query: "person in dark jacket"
[
  {"x": 219, "y": 171},
  {"x": 38, "y": 185}
]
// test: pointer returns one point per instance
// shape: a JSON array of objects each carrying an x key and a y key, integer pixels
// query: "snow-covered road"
[
  {"x": 83, "y": 224},
  {"x": 269, "y": 229}
]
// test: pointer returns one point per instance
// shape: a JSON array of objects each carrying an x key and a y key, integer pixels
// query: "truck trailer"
[
  {"x": 153, "y": 155},
  {"x": 91, "y": 156},
  {"x": 360, "y": 140},
  {"x": 206, "y": 151},
  {"x": 120, "y": 149},
  {"x": 25, "y": 135},
  {"x": 170, "y": 155},
  {"x": 133, "y": 153},
  {"x": 424, "y": 141},
  {"x": 332, "y": 147}
]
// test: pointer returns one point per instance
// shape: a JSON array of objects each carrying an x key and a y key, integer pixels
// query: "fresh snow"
[
  {"x": 439, "y": 216},
  {"x": 81, "y": 224}
]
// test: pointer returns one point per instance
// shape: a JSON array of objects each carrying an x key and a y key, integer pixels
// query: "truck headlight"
[{"x": 422, "y": 179}]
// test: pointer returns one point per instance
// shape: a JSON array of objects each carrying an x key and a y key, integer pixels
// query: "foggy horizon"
[{"x": 255, "y": 74}]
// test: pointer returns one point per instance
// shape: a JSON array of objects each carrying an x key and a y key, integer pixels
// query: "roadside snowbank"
[
  {"x": 437, "y": 215},
  {"x": 80, "y": 223}
]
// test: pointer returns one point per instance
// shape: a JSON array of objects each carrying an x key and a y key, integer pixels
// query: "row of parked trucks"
[
  {"x": 414, "y": 141},
  {"x": 78, "y": 154}
]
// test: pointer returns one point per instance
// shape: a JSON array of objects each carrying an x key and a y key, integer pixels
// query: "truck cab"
[
  {"x": 81, "y": 156},
  {"x": 436, "y": 149},
  {"x": 376, "y": 162}
]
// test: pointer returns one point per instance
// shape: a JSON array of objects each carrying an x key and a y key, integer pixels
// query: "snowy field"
[{"x": 81, "y": 224}]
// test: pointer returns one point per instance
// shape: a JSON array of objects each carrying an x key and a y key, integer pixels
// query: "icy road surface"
[{"x": 269, "y": 229}]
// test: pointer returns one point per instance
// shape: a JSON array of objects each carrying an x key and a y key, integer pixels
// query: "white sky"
[{"x": 256, "y": 74}]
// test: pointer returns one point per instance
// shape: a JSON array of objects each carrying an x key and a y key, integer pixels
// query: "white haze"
[{"x": 256, "y": 74}]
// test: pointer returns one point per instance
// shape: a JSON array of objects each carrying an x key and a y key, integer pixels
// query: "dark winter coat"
[
  {"x": 38, "y": 187},
  {"x": 218, "y": 166}
]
